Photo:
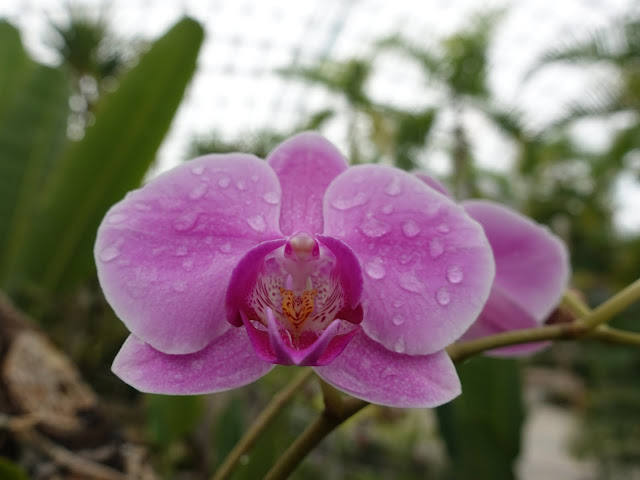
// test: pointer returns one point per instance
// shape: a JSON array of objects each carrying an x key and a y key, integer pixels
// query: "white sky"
[{"x": 236, "y": 90}]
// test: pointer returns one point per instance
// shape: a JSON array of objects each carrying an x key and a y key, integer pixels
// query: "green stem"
[
  {"x": 320, "y": 428},
  {"x": 561, "y": 331},
  {"x": 575, "y": 305},
  {"x": 260, "y": 424},
  {"x": 607, "y": 334},
  {"x": 614, "y": 305}
]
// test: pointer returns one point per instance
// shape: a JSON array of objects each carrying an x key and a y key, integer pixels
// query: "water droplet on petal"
[
  {"x": 443, "y": 297},
  {"x": 393, "y": 188},
  {"x": 185, "y": 221},
  {"x": 375, "y": 269},
  {"x": 410, "y": 283},
  {"x": 110, "y": 253},
  {"x": 388, "y": 208},
  {"x": 117, "y": 218},
  {"x": 436, "y": 247},
  {"x": 254, "y": 178},
  {"x": 225, "y": 248},
  {"x": 198, "y": 191},
  {"x": 346, "y": 203},
  {"x": 400, "y": 346},
  {"x": 240, "y": 185},
  {"x": 197, "y": 170},
  {"x": 143, "y": 207},
  {"x": 442, "y": 228},
  {"x": 181, "y": 251},
  {"x": 257, "y": 223},
  {"x": 455, "y": 274},
  {"x": 224, "y": 181},
  {"x": 272, "y": 198},
  {"x": 179, "y": 286},
  {"x": 187, "y": 264},
  {"x": 398, "y": 303},
  {"x": 398, "y": 320},
  {"x": 404, "y": 258},
  {"x": 410, "y": 228},
  {"x": 374, "y": 228}
]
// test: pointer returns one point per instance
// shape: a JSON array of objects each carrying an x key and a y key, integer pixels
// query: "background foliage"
[{"x": 76, "y": 137}]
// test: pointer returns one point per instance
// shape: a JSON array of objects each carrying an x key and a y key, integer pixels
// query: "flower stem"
[
  {"x": 607, "y": 334},
  {"x": 575, "y": 305},
  {"x": 260, "y": 424},
  {"x": 614, "y": 305},
  {"x": 320, "y": 428},
  {"x": 562, "y": 331}
]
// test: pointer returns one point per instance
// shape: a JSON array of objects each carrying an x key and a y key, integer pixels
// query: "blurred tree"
[
  {"x": 457, "y": 70},
  {"x": 94, "y": 56}
]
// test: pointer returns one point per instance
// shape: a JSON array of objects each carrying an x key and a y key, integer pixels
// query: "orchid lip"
[{"x": 296, "y": 299}]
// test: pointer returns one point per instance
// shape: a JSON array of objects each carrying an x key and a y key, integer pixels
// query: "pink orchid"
[
  {"x": 532, "y": 271},
  {"x": 228, "y": 264}
]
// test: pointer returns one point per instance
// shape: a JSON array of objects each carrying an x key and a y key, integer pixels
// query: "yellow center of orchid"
[{"x": 297, "y": 308}]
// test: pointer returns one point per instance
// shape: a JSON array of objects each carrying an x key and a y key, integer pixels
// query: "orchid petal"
[
  {"x": 367, "y": 370},
  {"x": 428, "y": 266},
  {"x": 532, "y": 264},
  {"x": 165, "y": 252},
  {"x": 305, "y": 164},
  {"x": 501, "y": 314},
  {"x": 228, "y": 362},
  {"x": 433, "y": 183}
]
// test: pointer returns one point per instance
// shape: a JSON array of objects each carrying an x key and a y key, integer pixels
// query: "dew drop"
[
  {"x": 393, "y": 188},
  {"x": 443, "y": 297},
  {"x": 404, "y": 258},
  {"x": 257, "y": 223},
  {"x": 181, "y": 251},
  {"x": 410, "y": 229},
  {"x": 254, "y": 178},
  {"x": 388, "y": 208},
  {"x": 225, "y": 248},
  {"x": 454, "y": 274},
  {"x": 117, "y": 218},
  {"x": 198, "y": 191},
  {"x": 443, "y": 228},
  {"x": 398, "y": 320},
  {"x": 179, "y": 286},
  {"x": 375, "y": 269},
  {"x": 197, "y": 169},
  {"x": 187, "y": 264},
  {"x": 374, "y": 228},
  {"x": 398, "y": 303},
  {"x": 346, "y": 203},
  {"x": 436, "y": 247},
  {"x": 224, "y": 181},
  {"x": 410, "y": 283},
  {"x": 185, "y": 221},
  {"x": 400, "y": 346},
  {"x": 110, "y": 253},
  {"x": 143, "y": 207},
  {"x": 240, "y": 185},
  {"x": 272, "y": 198}
]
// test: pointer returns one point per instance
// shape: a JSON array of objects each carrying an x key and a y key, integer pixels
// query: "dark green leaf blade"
[
  {"x": 112, "y": 158},
  {"x": 32, "y": 133},
  {"x": 481, "y": 428}
]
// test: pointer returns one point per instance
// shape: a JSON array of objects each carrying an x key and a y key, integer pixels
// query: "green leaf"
[
  {"x": 170, "y": 418},
  {"x": 11, "y": 471},
  {"x": 481, "y": 428},
  {"x": 112, "y": 158},
  {"x": 32, "y": 133},
  {"x": 14, "y": 62}
]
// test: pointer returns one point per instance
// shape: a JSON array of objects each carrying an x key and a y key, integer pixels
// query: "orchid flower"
[
  {"x": 532, "y": 271},
  {"x": 228, "y": 265}
]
